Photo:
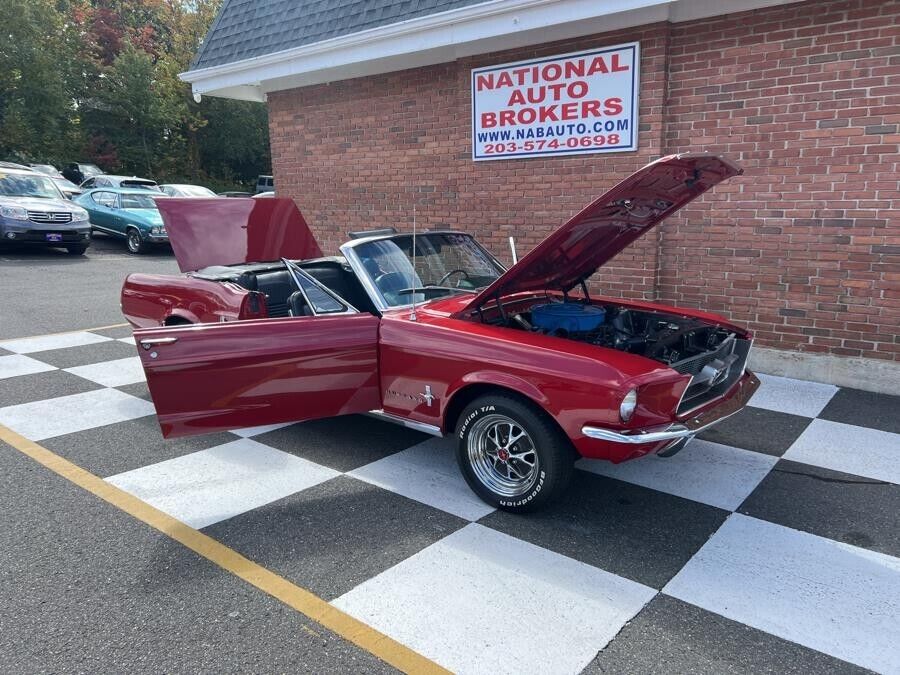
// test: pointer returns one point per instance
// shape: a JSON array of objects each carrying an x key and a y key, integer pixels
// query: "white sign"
[{"x": 563, "y": 105}]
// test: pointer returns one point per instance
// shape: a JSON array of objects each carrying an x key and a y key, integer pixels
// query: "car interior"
[{"x": 276, "y": 283}]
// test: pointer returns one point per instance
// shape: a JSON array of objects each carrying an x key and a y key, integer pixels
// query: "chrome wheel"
[
  {"x": 502, "y": 455},
  {"x": 133, "y": 241}
]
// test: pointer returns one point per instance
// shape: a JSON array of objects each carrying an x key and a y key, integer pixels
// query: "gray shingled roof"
[{"x": 248, "y": 28}]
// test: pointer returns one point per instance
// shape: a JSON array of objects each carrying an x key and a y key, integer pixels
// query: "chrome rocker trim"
[
  {"x": 746, "y": 388},
  {"x": 409, "y": 424}
]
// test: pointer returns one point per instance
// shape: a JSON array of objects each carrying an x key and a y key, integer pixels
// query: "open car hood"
[
  {"x": 219, "y": 231},
  {"x": 606, "y": 226}
]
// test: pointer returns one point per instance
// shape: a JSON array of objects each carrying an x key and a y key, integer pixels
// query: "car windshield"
[
  {"x": 132, "y": 201},
  {"x": 90, "y": 170},
  {"x": 46, "y": 168},
  {"x": 28, "y": 185},
  {"x": 445, "y": 263},
  {"x": 140, "y": 185}
]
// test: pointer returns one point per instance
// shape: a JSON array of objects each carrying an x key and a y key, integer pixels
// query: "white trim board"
[{"x": 443, "y": 37}]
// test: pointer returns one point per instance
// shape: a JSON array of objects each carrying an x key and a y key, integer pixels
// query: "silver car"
[{"x": 33, "y": 211}]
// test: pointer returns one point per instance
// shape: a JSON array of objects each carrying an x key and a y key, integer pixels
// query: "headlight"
[
  {"x": 629, "y": 403},
  {"x": 14, "y": 212},
  {"x": 157, "y": 229},
  {"x": 79, "y": 214}
]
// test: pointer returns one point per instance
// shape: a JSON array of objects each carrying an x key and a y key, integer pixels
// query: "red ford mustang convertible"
[{"x": 525, "y": 366}]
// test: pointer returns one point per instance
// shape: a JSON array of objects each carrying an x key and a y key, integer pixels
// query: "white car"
[{"x": 177, "y": 190}]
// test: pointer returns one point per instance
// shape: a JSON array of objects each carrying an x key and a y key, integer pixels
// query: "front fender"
[
  {"x": 456, "y": 399},
  {"x": 500, "y": 379}
]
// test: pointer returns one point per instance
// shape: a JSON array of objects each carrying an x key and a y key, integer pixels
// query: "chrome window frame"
[
  {"x": 296, "y": 272},
  {"x": 353, "y": 259}
]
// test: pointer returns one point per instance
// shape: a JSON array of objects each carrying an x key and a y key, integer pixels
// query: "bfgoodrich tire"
[{"x": 511, "y": 454}]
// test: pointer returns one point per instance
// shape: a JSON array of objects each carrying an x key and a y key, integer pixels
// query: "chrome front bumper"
[{"x": 743, "y": 390}]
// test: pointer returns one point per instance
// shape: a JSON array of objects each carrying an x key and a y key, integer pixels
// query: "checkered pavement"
[{"x": 771, "y": 543}]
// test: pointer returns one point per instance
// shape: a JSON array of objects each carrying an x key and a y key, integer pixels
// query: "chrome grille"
[
  {"x": 701, "y": 391},
  {"x": 694, "y": 364},
  {"x": 49, "y": 217}
]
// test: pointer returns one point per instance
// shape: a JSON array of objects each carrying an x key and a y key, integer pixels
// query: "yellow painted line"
[
  {"x": 300, "y": 599},
  {"x": 66, "y": 332}
]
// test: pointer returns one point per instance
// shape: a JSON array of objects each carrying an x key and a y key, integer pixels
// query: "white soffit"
[{"x": 444, "y": 37}]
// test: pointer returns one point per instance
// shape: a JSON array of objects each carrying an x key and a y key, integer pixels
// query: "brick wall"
[
  {"x": 804, "y": 247},
  {"x": 805, "y": 97}
]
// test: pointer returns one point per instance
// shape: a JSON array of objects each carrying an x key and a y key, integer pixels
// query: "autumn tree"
[{"x": 97, "y": 80}]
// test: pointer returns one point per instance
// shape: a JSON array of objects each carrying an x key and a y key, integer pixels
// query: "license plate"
[{"x": 54, "y": 236}]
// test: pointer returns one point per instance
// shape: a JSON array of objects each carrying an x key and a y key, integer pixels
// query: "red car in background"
[{"x": 524, "y": 366}]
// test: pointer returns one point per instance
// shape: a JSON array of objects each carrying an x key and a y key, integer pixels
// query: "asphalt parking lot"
[{"x": 771, "y": 544}]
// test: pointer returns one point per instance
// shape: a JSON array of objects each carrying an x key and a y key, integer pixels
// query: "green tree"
[
  {"x": 97, "y": 80},
  {"x": 128, "y": 112},
  {"x": 38, "y": 114}
]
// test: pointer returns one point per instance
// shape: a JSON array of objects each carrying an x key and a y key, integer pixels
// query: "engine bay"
[{"x": 670, "y": 339}]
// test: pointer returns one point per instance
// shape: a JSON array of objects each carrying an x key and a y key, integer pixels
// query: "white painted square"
[
  {"x": 112, "y": 373},
  {"x": 787, "y": 395},
  {"x": 714, "y": 474},
  {"x": 66, "y": 414},
  {"x": 851, "y": 449},
  {"x": 46, "y": 342},
  {"x": 218, "y": 483},
  {"x": 831, "y": 597},
  {"x": 256, "y": 431},
  {"x": 428, "y": 473},
  {"x": 479, "y": 601},
  {"x": 13, "y": 365}
]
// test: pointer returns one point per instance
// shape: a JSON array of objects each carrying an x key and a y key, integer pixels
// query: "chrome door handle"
[{"x": 146, "y": 344}]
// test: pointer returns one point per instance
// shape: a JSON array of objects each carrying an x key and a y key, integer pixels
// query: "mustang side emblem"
[{"x": 427, "y": 397}]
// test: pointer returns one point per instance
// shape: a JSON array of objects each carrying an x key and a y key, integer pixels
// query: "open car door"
[{"x": 214, "y": 377}]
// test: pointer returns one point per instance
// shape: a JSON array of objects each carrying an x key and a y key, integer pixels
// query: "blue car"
[{"x": 128, "y": 213}]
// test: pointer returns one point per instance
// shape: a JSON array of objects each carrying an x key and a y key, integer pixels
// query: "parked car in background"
[
  {"x": 264, "y": 195},
  {"x": 265, "y": 184},
  {"x": 179, "y": 190},
  {"x": 67, "y": 187},
  {"x": 46, "y": 169},
  {"x": 234, "y": 193},
  {"x": 78, "y": 172},
  {"x": 14, "y": 165},
  {"x": 523, "y": 366},
  {"x": 33, "y": 211},
  {"x": 128, "y": 213},
  {"x": 106, "y": 180}
]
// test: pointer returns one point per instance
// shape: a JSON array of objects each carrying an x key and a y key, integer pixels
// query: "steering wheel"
[
  {"x": 450, "y": 274},
  {"x": 390, "y": 281}
]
